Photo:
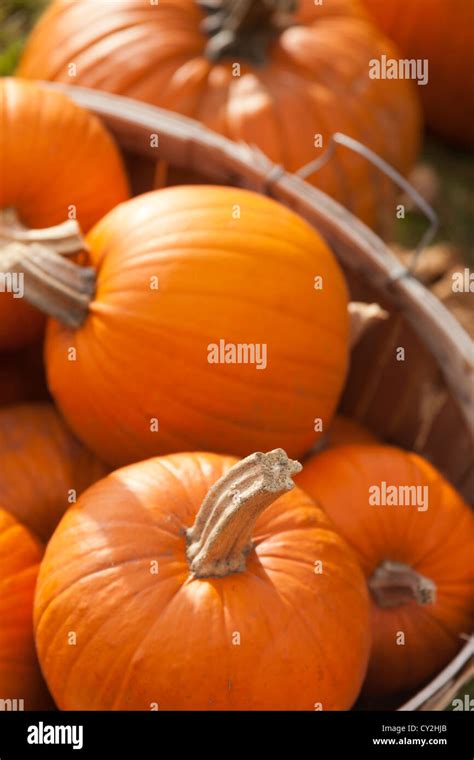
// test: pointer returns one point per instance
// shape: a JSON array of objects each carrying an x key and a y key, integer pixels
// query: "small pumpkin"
[
  {"x": 279, "y": 74},
  {"x": 200, "y": 327},
  {"x": 442, "y": 33},
  {"x": 42, "y": 466},
  {"x": 231, "y": 592},
  {"x": 417, "y": 558},
  {"x": 20, "y": 675},
  {"x": 58, "y": 163}
]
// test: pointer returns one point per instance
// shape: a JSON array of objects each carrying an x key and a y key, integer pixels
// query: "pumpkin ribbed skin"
[
  {"x": 142, "y": 354},
  {"x": 314, "y": 81},
  {"x": 55, "y": 155},
  {"x": 168, "y": 638},
  {"x": 441, "y": 31},
  {"x": 20, "y": 676},
  {"x": 40, "y": 463},
  {"x": 436, "y": 543}
]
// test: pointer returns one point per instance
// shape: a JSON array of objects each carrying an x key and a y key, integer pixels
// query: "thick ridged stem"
[
  {"x": 394, "y": 583},
  {"x": 220, "y": 538},
  {"x": 65, "y": 238},
  {"x": 243, "y": 29},
  {"x": 52, "y": 283}
]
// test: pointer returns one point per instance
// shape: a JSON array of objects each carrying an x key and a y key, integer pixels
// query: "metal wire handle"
[{"x": 338, "y": 138}]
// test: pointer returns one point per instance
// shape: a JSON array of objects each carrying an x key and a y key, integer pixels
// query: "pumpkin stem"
[
  {"x": 220, "y": 538},
  {"x": 56, "y": 286},
  {"x": 243, "y": 28},
  {"x": 65, "y": 238},
  {"x": 394, "y": 583}
]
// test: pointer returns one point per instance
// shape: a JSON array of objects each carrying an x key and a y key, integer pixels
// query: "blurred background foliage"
[
  {"x": 444, "y": 176},
  {"x": 16, "y": 19}
]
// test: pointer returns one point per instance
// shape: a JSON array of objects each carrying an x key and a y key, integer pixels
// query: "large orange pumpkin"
[
  {"x": 21, "y": 684},
  {"x": 417, "y": 561},
  {"x": 441, "y": 32},
  {"x": 58, "y": 163},
  {"x": 188, "y": 589},
  {"x": 43, "y": 468},
  {"x": 251, "y": 72},
  {"x": 206, "y": 330}
]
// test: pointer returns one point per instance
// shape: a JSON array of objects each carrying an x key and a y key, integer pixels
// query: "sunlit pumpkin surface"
[
  {"x": 314, "y": 80},
  {"x": 435, "y": 541},
  {"x": 180, "y": 270},
  {"x": 286, "y": 633}
]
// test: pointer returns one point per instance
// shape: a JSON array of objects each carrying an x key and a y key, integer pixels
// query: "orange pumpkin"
[
  {"x": 282, "y": 81},
  {"x": 441, "y": 32},
  {"x": 417, "y": 561},
  {"x": 20, "y": 676},
  {"x": 194, "y": 583},
  {"x": 205, "y": 330},
  {"x": 42, "y": 466},
  {"x": 58, "y": 163},
  {"x": 344, "y": 430}
]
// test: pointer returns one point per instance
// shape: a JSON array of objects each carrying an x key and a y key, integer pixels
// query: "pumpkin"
[
  {"x": 442, "y": 33},
  {"x": 197, "y": 583},
  {"x": 58, "y": 163},
  {"x": 206, "y": 330},
  {"x": 22, "y": 376},
  {"x": 20, "y": 675},
  {"x": 284, "y": 81},
  {"x": 42, "y": 466},
  {"x": 344, "y": 430},
  {"x": 417, "y": 561}
]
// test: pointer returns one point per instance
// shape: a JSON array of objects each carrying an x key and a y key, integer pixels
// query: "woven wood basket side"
[{"x": 424, "y": 403}]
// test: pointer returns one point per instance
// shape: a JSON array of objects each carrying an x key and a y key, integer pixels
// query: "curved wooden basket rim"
[
  {"x": 185, "y": 143},
  {"x": 438, "y": 683}
]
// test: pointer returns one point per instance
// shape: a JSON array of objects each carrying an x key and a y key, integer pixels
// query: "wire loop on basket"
[
  {"x": 338, "y": 138},
  {"x": 276, "y": 172}
]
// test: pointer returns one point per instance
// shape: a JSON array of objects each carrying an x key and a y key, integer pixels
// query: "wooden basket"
[{"x": 423, "y": 403}]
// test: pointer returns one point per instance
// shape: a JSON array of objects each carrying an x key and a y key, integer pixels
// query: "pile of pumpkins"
[{"x": 155, "y": 552}]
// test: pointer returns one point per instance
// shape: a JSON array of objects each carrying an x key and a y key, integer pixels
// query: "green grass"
[
  {"x": 16, "y": 19},
  {"x": 466, "y": 690},
  {"x": 455, "y": 170}
]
